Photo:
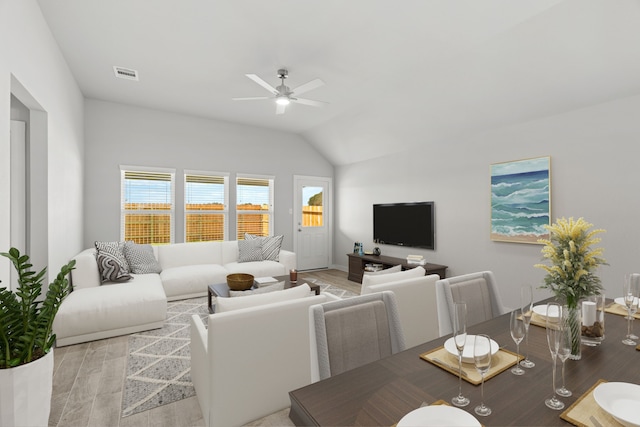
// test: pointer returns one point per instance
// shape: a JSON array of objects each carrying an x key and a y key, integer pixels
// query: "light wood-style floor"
[{"x": 88, "y": 381}]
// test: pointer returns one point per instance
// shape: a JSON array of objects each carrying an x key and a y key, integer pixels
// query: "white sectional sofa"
[{"x": 97, "y": 310}]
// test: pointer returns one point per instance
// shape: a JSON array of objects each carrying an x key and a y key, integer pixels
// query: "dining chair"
[
  {"x": 480, "y": 292},
  {"x": 352, "y": 332}
]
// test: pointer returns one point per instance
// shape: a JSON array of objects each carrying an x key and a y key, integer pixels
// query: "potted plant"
[
  {"x": 26, "y": 339},
  {"x": 571, "y": 273}
]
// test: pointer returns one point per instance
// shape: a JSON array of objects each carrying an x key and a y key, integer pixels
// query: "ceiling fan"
[{"x": 283, "y": 95}]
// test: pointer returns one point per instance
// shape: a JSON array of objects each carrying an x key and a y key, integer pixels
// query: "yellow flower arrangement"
[{"x": 570, "y": 276}]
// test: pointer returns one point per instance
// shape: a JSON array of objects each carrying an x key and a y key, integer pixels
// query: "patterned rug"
[{"x": 158, "y": 365}]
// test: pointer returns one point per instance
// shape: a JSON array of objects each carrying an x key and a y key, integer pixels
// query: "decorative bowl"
[{"x": 240, "y": 281}]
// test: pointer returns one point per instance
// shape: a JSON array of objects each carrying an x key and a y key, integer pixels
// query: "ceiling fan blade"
[
  {"x": 313, "y": 84},
  {"x": 262, "y": 83},
  {"x": 280, "y": 108},
  {"x": 252, "y": 98},
  {"x": 309, "y": 102}
]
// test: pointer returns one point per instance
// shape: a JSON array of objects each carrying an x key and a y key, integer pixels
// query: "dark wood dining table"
[{"x": 382, "y": 392}]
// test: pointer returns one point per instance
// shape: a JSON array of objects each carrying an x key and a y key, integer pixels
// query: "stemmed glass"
[
  {"x": 630, "y": 295},
  {"x": 564, "y": 348},
  {"x": 554, "y": 330},
  {"x": 482, "y": 360},
  {"x": 526, "y": 301},
  {"x": 460, "y": 339},
  {"x": 517, "y": 333}
]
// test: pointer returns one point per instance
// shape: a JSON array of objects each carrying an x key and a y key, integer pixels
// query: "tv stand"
[{"x": 357, "y": 263}]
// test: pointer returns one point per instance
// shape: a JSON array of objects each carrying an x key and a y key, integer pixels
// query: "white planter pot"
[{"x": 25, "y": 393}]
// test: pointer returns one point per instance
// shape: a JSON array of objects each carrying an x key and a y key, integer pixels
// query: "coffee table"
[{"x": 222, "y": 289}]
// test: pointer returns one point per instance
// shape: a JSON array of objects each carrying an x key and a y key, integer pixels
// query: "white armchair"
[
  {"x": 246, "y": 361},
  {"x": 416, "y": 301}
]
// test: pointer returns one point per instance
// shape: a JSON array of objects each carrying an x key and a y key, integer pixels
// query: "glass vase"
[
  {"x": 574, "y": 323},
  {"x": 592, "y": 311}
]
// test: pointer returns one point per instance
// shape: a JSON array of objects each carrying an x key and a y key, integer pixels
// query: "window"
[
  {"x": 147, "y": 204},
  {"x": 206, "y": 198},
  {"x": 254, "y": 205}
]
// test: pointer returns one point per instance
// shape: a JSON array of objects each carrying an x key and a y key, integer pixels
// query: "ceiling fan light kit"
[{"x": 282, "y": 94}]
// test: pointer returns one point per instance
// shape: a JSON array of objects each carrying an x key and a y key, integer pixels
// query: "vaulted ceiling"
[{"x": 398, "y": 74}]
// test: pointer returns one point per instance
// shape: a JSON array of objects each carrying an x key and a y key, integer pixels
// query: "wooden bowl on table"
[{"x": 240, "y": 281}]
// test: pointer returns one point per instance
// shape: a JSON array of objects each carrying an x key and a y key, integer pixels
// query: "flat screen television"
[{"x": 405, "y": 224}]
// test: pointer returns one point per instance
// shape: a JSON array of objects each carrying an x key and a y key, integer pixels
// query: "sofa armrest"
[
  {"x": 288, "y": 259},
  {"x": 86, "y": 274},
  {"x": 200, "y": 364}
]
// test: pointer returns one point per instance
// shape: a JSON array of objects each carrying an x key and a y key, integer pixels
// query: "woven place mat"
[
  {"x": 620, "y": 310},
  {"x": 502, "y": 360},
  {"x": 585, "y": 407}
]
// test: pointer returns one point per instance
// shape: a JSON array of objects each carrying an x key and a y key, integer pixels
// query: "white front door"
[{"x": 312, "y": 222}]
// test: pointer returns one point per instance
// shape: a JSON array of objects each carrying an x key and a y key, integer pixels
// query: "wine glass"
[
  {"x": 554, "y": 326},
  {"x": 564, "y": 348},
  {"x": 517, "y": 333},
  {"x": 482, "y": 360},
  {"x": 526, "y": 301},
  {"x": 460, "y": 339},
  {"x": 630, "y": 295}
]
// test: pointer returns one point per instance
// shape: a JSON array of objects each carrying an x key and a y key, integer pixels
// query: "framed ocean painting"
[{"x": 521, "y": 200}]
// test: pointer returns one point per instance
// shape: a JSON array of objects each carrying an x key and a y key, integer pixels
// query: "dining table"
[{"x": 382, "y": 392}]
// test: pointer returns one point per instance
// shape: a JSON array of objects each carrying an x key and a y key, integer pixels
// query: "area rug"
[{"x": 158, "y": 365}]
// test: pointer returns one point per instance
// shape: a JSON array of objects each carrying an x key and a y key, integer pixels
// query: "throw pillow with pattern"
[
  {"x": 270, "y": 245},
  {"x": 116, "y": 250},
  {"x": 249, "y": 250},
  {"x": 140, "y": 258},
  {"x": 110, "y": 268}
]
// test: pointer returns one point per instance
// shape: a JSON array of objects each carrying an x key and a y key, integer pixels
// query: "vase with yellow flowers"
[{"x": 572, "y": 261}]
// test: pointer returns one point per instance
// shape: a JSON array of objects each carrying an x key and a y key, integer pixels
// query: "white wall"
[
  {"x": 119, "y": 134},
  {"x": 595, "y": 154},
  {"x": 29, "y": 55}
]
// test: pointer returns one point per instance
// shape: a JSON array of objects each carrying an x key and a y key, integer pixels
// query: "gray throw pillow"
[
  {"x": 110, "y": 268},
  {"x": 141, "y": 258},
  {"x": 249, "y": 250},
  {"x": 270, "y": 245}
]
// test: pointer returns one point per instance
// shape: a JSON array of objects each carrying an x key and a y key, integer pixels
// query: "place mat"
[
  {"x": 585, "y": 407},
  {"x": 620, "y": 310},
  {"x": 502, "y": 360}
]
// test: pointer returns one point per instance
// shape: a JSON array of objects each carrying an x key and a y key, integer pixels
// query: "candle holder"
[{"x": 592, "y": 308}]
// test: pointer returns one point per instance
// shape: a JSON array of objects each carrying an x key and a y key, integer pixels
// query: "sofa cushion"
[
  {"x": 111, "y": 269},
  {"x": 270, "y": 245},
  {"x": 228, "y": 304},
  {"x": 374, "y": 279},
  {"x": 118, "y": 305},
  {"x": 192, "y": 279},
  {"x": 394, "y": 269},
  {"x": 183, "y": 254},
  {"x": 257, "y": 268},
  {"x": 250, "y": 250},
  {"x": 140, "y": 258}
]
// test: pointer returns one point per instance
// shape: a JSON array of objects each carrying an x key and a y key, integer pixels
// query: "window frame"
[
  {"x": 171, "y": 175},
  {"x": 269, "y": 212},
  {"x": 224, "y": 211}
]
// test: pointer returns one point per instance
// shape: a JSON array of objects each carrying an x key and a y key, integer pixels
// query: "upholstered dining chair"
[
  {"x": 352, "y": 332},
  {"x": 480, "y": 292}
]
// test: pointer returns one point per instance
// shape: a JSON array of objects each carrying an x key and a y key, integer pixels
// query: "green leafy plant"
[{"x": 26, "y": 325}]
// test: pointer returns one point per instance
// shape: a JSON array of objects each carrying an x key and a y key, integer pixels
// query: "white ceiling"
[{"x": 398, "y": 74}]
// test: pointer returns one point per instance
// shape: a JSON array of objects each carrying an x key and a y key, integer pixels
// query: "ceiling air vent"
[{"x": 125, "y": 73}]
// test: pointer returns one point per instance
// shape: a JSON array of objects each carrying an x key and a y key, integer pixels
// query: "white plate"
[
  {"x": 541, "y": 310},
  {"x": 620, "y": 400},
  {"x": 620, "y": 300},
  {"x": 438, "y": 415},
  {"x": 467, "y": 353}
]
